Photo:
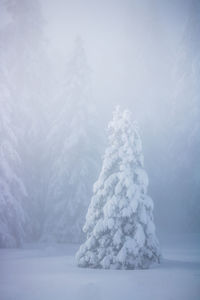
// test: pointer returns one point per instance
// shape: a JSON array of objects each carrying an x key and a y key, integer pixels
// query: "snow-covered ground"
[{"x": 46, "y": 272}]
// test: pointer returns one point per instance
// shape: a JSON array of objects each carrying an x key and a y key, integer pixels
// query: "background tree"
[
  {"x": 12, "y": 191},
  {"x": 184, "y": 144},
  {"x": 28, "y": 80},
  {"x": 74, "y": 153}
]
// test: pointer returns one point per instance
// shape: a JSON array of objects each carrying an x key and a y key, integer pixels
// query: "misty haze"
[{"x": 99, "y": 149}]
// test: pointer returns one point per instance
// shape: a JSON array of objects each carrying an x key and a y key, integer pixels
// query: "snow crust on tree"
[
  {"x": 119, "y": 223},
  {"x": 74, "y": 155}
]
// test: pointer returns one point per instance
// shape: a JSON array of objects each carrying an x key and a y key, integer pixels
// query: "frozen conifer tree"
[
  {"x": 74, "y": 153},
  {"x": 119, "y": 222}
]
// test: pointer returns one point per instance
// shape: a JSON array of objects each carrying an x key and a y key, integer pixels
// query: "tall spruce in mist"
[
  {"x": 74, "y": 154},
  {"x": 185, "y": 120},
  {"x": 28, "y": 81},
  {"x": 119, "y": 223},
  {"x": 12, "y": 190}
]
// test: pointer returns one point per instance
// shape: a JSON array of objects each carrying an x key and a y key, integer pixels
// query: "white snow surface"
[{"x": 44, "y": 272}]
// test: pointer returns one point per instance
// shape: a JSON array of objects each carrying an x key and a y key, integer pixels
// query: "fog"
[
  {"x": 134, "y": 49},
  {"x": 141, "y": 55}
]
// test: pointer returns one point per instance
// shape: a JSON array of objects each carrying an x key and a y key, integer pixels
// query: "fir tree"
[
  {"x": 119, "y": 222},
  {"x": 184, "y": 175},
  {"x": 28, "y": 81},
  {"x": 74, "y": 153},
  {"x": 12, "y": 190}
]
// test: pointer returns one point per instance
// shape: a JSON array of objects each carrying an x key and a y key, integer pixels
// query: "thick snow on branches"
[{"x": 119, "y": 223}]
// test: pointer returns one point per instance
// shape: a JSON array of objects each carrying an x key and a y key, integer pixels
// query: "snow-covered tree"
[
  {"x": 73, "y": 142},
  {"x": 119, "y": 223}
]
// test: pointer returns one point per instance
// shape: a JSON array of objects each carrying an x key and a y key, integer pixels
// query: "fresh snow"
[
  {"x": 119, "y": 227},
  {"x": 44, "y": 272}
]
